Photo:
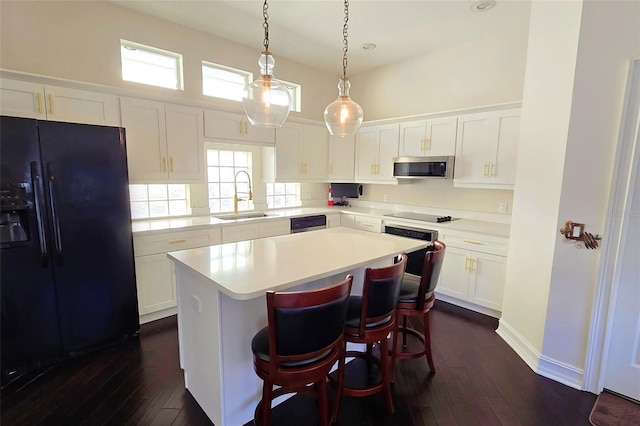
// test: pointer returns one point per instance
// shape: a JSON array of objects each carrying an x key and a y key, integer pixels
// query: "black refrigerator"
[{"x": 67, "y": 274}]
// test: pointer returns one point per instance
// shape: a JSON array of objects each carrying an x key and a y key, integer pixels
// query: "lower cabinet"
[
  {"x": 251, "y": 231},
  {"x": 473, "y": 271},
  {"x": 155, "y": 276},
  {"x": 347, "y": 220},
  {"x": 333, "y": 221},
  {"x": 371, "y": 224}
]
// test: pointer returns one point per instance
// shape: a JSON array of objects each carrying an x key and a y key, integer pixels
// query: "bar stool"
[
  {"x": 303, "y": 340},
  {"x": 417, "y": 299},
  {"x": 370, "y": 319}
]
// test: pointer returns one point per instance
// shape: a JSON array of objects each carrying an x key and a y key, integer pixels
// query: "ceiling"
[{"x": 310, "y": 31}]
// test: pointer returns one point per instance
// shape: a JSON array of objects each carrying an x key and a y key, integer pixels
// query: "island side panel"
[{"x": 200, "y": 340}]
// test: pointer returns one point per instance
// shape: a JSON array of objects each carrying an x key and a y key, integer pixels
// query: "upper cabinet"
[
  {"x": 44, "y": 102},
  {"x": 433, "y": 137},
  {"x": 300, "y": 153},
  {"x": 341, "y": 158},
  {"x": 376, "y": 146},
  {"x": 235, "y": 127},
  {"x": 486, "y": 149},
  {"x": 164, "y": 141}
]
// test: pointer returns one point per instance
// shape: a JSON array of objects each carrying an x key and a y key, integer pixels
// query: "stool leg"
[
  {"x": 339, "y": 384},
  {"x": 323, "y": 402},
  {"x": 394, "y": 350},
  {"x": 404, "y": 332},
  {"x": 385, "y": 369},
  {"x": 267, "y": 392},
  {"x": 427, "y": 342}
]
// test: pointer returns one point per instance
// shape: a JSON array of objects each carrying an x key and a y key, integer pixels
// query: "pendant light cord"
[
  {"x": 265, "y": 14},
  {"x": 345, "y": 42}
]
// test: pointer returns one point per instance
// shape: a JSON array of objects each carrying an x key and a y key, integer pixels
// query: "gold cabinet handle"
[
  {"x": 50, "y": 103},
  {"x": 466, "y": 263},
  {"x": 472, "y": 242},
  {"x": 40, "y": 102},
  {"x": 171, "y": 164},
  {"x": 473, "y": 265},
  {"x": 427, "y": 144},
  {"x": 164, "y": 164},
  {"x": 177, "y": 241},
  {"x": 422, "y": 148},
  {"x": 246, "y": 127},
  {"x": 491, "y": 169},
  {"x": 484, "y": 169},
  {"x": 371, "y": 170},
  {"x": 241, "y": 125}
]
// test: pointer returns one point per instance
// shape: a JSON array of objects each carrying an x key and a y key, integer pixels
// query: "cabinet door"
[
  {"x": 231, "y": 234},
  {"x": 347, "y": 220},
  {"x": 454, "y": 275},
  {"x": 314, "y": 152},
  {"x": 368, "y": 224},
  {"x": 289, "y": 165},
  {"x": 223, "y": 125},
  {"x": 144, "y": 122},
  {"x": 273, "y": 228},
  {"x": 366, "y": 153},
  {"x": 474, "y": 148},
  {"x": 185, "y": 144},
  {"x": 412, "y": 138},
  {"x": 261, "y": 135},
  {"x": 22, "y": 99},
  {"x": 81, "y": 106},
  {"x": 486, "y": 283},
  {"x": 508, "y": 127},
  {"x": 388, "y": 150},
  {"x": 333, "y": 220},
  {"x": 155, "y": 280},
  {"x": 341, "y": 158},
  {"x": 440, "y": 137}
]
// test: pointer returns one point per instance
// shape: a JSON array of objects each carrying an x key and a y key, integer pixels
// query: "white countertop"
[
  {"x": 153, "y": 226},
  {"x": 247, "y": 269}
]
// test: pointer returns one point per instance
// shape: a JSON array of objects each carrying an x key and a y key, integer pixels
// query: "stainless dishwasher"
[{"x": 308, "y": 223}]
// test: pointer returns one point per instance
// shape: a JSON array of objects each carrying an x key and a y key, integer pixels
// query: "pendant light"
[
  {"x": 343, "y": 116},
  {"x": 266, "y": 102}
]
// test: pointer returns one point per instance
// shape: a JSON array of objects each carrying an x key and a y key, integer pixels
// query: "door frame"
[{"x": 625, "y": 168}]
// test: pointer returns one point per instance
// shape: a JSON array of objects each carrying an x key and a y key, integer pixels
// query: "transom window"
[
  {"x": 283, "y": 195},
  {"x": 150, "y": 65},
  {"x": 222, "y": 167},
  {"x": 158, "y": 200},
  {"x": 229, "y": 83}
]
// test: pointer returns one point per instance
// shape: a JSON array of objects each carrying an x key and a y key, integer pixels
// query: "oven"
[{"x": 415, "y": 259}]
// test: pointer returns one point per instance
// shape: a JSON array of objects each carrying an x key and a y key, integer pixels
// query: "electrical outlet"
[
  {"x": 502, "y": 208},
  {"x": 386, "y": 197}
]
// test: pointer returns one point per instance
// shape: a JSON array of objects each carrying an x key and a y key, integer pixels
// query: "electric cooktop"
[{"x": 422, "y": 217}]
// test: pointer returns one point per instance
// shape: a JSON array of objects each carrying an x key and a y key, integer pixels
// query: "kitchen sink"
[{"x": 247, "y": 215}]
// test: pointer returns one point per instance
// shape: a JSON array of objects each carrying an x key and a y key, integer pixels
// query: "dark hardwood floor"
[{"x": 479, "y": 381}]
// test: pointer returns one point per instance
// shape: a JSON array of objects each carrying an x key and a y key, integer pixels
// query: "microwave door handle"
[
  {"x": 35, "y": 183},
  {"x": 54, "y": 213}
]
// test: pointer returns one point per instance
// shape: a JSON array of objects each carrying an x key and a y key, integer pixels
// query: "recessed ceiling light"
[
  {"x": 368, "y": 46},
  {"x": 483, "y": 5}
]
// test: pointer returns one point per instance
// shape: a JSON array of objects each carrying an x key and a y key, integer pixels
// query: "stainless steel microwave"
[{"x": 423, "y": 167}]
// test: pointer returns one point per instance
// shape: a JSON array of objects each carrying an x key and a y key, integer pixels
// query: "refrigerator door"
[
  {"x": 87, "y": 199},
  {"x": 29, "y": 334}
]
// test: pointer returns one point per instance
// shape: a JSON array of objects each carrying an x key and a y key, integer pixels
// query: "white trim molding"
[
  {"x": 519, "y": 344},
  {"x": 561, "y": 372}
]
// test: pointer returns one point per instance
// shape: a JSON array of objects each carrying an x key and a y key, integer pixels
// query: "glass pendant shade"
[
  {"x": 343, "y": 116},
  {"x": 266, "y": 102}
]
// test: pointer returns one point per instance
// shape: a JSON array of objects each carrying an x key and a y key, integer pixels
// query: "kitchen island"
[{"x": 221, "y": 303}]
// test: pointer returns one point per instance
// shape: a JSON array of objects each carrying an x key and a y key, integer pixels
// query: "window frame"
[
  {"x": 128, "y": 44},
  {"x": 246, "y": 75}
]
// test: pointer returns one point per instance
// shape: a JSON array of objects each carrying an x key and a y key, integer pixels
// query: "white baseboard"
[
  {"x": 468, "y": 305},
  {"x": 542, "y": 365},
  {"x": 158, "y": 315}
]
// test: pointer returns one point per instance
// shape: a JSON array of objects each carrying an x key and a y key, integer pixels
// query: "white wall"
[
  {"x": 485, "y": 71},
  {"x": 577, "y": 62},
  {"x": 80, "y": 41}
]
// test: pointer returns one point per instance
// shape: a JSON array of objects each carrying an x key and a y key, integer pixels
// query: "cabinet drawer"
[
  {"x": 483, "y": 243},
  {"x": 368, "y": 224},
  {"x": 172, "y": 241},
  {"x": 231, "y": 234}
]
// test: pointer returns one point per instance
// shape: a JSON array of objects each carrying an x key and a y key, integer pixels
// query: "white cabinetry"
[
  {"x": 333, "y": 220},
  {"x": 473, "y": 270},
  {"x": 486, "y": 149},
  {"x": 433, "y": 137},
  {"x": 370, "y": 224},
  {"x": 301, "y": 152},
  {"x": 251, "y": 231},
  {"x": 376, "y": 146},
  {"x": 164, "y": 141},
  {"x": 236, "y": 128},
  {"x": 44, "y": 102},
  {"x": 347, "y": 220},
  {"x": 341, "y": 158},
  {"x": 155, "y": 276}
]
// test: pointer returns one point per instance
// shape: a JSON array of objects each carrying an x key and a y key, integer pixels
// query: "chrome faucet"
[{"x": 235, "y": 191}]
